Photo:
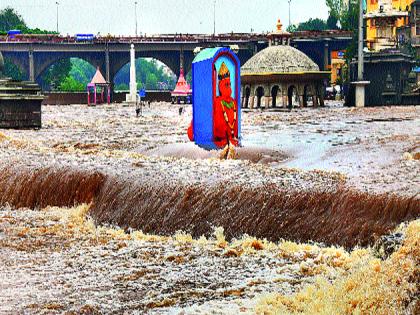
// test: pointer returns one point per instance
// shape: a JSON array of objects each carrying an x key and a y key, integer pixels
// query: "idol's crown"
[{"x": 223, "y": 72}]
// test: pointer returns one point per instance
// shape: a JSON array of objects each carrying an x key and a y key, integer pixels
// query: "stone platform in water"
[
  {"x": 20, "y": 102},
  {"x": 20, "y": 105}
]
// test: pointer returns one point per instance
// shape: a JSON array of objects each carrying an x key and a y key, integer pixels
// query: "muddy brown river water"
[{"x": 305, "y": 175}]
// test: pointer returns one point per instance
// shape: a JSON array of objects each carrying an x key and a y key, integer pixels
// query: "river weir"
[{"x": 99, "y": 215}]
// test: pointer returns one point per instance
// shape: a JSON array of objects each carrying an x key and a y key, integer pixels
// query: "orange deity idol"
[
  {"x": 216, "y": 95},
  {"x": 225, "y": 124}
]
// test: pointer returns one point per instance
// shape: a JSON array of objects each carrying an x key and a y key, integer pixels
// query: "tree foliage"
[
  {"x": 310, "y": 25},
  {"x": 81, "y": 70},
  {"x": 70, "y": 84},
  {"x": 332, "y": 22},
  {"x": 56, "y": 74},
  {"x": 10, "y": 19},
  {"x": 12, "y": 71},
  {"x": 347, "y": 14},
  {"x": 343, "y": 12},
  {"x": 350, "y": 21}
]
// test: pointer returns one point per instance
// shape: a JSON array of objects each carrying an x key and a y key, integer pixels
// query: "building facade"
[
  {"x": 415, "y": 26},
  {"x": 383, "y": 18}
]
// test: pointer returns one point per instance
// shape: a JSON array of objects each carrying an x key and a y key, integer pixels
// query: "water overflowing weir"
[{"x": 344, "y": 217}]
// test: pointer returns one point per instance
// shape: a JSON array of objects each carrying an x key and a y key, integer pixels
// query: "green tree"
[
  {"x": 122, "y": 87},
  {"x": 312, "y": 25},
  {"x": 332, "y": 22},
  {"x": 82, "y": 71},
  {"x": 57, "y": 73},
  {"x": 337, "y": 8},
  {"x": 10, "y": 19},
  {"x": 70, "y": 84},
  {"x": 151, "y": 80},
  {"x": 347, "y": 13},
  {"x": 292, "y": 28},
  {"x": 350, "y": 21},
  {"x": 188, "y": 78},
  {"x": 12, "y": 71},
  {"x": 343, "y": 11}
]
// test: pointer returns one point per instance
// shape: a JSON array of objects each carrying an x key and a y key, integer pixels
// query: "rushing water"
[
  {"x": 51, "y": 265},
  {"x": 90, "y": 156},
  {"x": 342, "y": 216}
]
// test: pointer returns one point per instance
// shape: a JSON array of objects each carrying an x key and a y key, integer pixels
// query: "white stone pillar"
[
  {"x": 267, "y": 101},
  {"x": 132, "y": 97},
  {"x": 31, "y": 65},
  {"x": 360, "y": 95}
]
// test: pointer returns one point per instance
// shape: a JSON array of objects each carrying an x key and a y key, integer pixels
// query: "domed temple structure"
[
  {"x": 20, "y": 102},
  {"x": 281, "y": 76}
]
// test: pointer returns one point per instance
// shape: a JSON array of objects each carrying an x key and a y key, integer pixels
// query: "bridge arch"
[
  {"x": 152, "y": 72},
  {"x": 45, "y": 60},
  {"x": 172, "y": 59},
  {"x": 84, "y": 78}
]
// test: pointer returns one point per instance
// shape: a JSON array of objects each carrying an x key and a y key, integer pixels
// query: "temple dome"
[{"x": 279, "y": 59}]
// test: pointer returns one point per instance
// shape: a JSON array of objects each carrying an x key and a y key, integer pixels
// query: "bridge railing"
[{"x": 54, "y": 38}]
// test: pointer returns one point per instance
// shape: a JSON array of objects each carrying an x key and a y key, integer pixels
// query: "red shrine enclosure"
[
  {"x": 182, "y": 90},
  {"x": 97, "y": 88}
]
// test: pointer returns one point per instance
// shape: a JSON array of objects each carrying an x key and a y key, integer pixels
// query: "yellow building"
[
  {"x": 383, "y": 17},
  {"x": 337, "y": 66}
]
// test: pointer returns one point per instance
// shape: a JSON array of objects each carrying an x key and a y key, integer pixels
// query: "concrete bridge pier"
[
  {"x": 31, "y": 65},
  {"x": 181, "y": 59},
  {"x": 107, "y": 67},
  {"x": 326, "y": 56}
]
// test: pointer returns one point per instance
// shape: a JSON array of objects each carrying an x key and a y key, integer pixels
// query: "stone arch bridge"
[
  {"x": 33, "y": 55},
  {"x": 33, "y": 58}
]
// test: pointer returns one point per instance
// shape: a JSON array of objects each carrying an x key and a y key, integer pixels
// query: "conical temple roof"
[
  {"x": 98, "y": 78},
  {"x": 182, "y": 87}
]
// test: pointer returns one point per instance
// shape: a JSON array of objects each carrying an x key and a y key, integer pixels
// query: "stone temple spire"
[{"x": 279, "y": 37}]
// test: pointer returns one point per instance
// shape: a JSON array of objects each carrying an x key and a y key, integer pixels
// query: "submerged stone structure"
[
  {"x": 282, "y": 76},
  {"x": 20, "y": 102},
  {"x": 392, "y": 79}
]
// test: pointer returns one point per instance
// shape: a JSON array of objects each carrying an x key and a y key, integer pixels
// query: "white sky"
[{"x": 164, "y": 16}]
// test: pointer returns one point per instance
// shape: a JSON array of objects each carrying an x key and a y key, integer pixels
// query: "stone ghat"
[{"x": 342, "y": 217}]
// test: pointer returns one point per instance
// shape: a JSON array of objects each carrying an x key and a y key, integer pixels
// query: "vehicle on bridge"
[
  {"x": 12, "y": 33},
  {"x": 85, "y": 37}
]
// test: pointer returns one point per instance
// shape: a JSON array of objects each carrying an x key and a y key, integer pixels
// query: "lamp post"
[
  {"x": 290, "y": 19},
  {"x": 360, "y": 83},
  {"x": 214, "y": 18},
  {"x": 135, "y": 14},
  {"x": 360, "y": 43},
  {"x": 57, "y": 13}
]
